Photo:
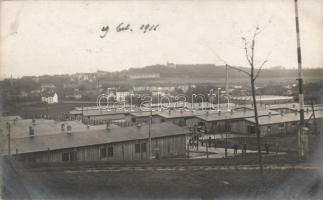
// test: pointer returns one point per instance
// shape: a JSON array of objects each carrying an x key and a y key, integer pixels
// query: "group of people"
[
  {"x": 195, "y": 141},
  {"x": 235, "y": 148},
  {"x": 244, "y": 148},
  {"x": 209, "y": 142}
]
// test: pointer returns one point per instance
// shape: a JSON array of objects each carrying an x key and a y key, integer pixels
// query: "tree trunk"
[{"x": 253, "y": 91}]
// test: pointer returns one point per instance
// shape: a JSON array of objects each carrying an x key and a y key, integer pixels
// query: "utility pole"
[
  {"x": 47, "y": 113},
  {"x": 226, "y": 78},
  {"x": 314, "y": 119},
  {"x": 301, "y": 145},
  {"x": 11, "y": 81},
  {"x": 219, "y": 99},
  {"x": 149, "y": 131},
  {"x": 226, "y": 144},
  {"x": 82, "y": 114},
  {"x": 9, "y": 138},
  {"x": 227, "y": 84}
]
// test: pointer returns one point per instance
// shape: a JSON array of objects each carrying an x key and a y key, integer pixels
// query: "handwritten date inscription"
[{"x": 125, "y": 27}]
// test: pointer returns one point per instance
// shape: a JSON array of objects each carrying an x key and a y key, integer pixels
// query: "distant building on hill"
[
  {"x": 144, "y": 76},
  {"x": 264, "y": 99},
  {"x": 49, "y": 97},
  {"x": 122, "y": 95},
  {"x": 47, "y": 86}
]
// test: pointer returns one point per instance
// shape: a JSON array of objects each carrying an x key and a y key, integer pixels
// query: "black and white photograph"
[{"x": 181, "y": 99}]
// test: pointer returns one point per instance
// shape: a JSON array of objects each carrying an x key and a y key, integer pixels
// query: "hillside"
[{"x": 219, "y": 71}]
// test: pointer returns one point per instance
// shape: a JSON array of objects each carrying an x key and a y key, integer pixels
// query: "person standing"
[
  {"x": 235, "y": 147},
  {"x": 267, "y": 148},
  {"x": 244, "y": 149}
]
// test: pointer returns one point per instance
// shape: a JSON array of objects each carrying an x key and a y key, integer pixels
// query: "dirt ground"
[{"x": 186, "y": 184}]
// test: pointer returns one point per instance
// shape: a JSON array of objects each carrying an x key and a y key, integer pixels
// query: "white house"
[
  {"x": 50, "y": 98},
  {"x": 121, "y": 96}
]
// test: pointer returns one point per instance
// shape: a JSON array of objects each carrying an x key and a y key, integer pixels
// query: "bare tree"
[
  {"x": 250, "y": 56},
  {"x": 249, "y": 50}
]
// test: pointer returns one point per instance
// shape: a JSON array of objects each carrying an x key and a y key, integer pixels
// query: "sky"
[{"x": 63, "y": 37}]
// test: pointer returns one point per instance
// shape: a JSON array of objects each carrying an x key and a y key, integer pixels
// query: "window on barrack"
[
  {"x": 143, "y": 147},
  {"x": 103, "y": 152},
  {"x": 110, "y": 151},
  {"x": 137, "y": 148}
]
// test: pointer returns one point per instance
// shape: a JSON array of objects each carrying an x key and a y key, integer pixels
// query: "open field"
[
  {"x": 223, "y": 178},
  {"x": 55, "y": 111},
  {"x": 291, "y": 181},
  {"x": 218, "y": 82}
]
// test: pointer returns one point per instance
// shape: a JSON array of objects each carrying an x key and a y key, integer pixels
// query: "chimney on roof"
[
  {"x": 69, "y": 129},
  {"x": 31, "y": 131},
  {"x": 231, "y": 112},
  {"x": 169, "y": 112},
  {"x": 62, "y": 127},
  {"x": 207, "y": 113},
  {"x": 269, "y": 114},
  {"x": 34, "y": 122},
  {"x": 219, "y": 112}
]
